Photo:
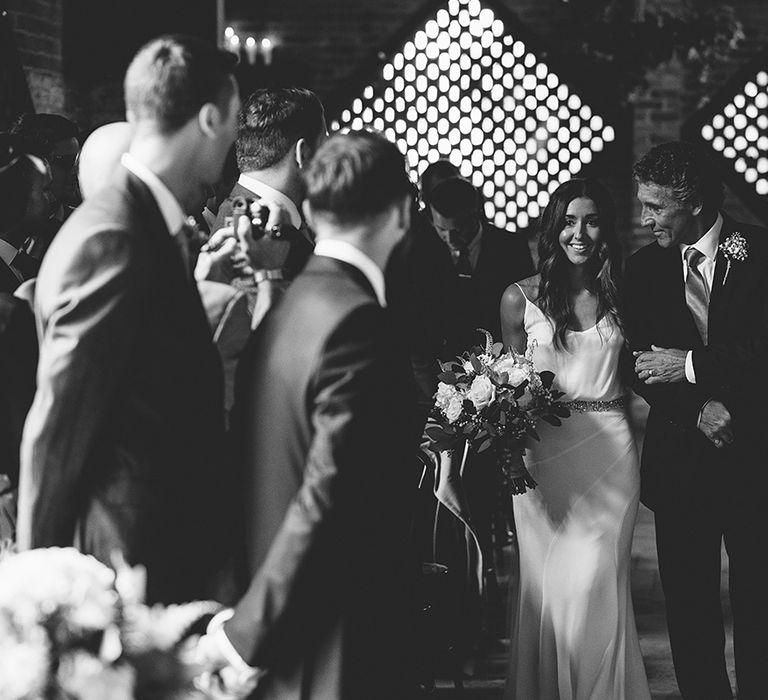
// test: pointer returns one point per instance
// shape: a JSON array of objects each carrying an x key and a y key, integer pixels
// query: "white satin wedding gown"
[{"x": 573, "y": 634}]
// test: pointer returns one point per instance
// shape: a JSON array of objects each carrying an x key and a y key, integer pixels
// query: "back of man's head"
[
  {"x": 271, "y": 121},
  {"x": 455, "y": 198},
  {"x": 100, "y": 155},
  {"x": 172, "y": 77},
  {"x": 356, "y": 176}
]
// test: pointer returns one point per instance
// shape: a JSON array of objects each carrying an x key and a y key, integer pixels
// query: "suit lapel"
[{"x": 724, "y": 279}]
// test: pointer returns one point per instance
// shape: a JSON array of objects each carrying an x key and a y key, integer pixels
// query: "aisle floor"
[{"x": 488, "y": 682}]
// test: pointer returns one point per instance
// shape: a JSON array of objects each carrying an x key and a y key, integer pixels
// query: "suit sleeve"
[
  {"x": 678, "y": 403},
  {"x": 300, "y": 577},
  {"x": 89, "y": 314}
]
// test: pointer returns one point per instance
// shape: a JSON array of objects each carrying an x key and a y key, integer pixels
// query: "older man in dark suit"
[
  {"x": 697, "y": 319},
  {"x": 121, "y": 449},
  {"x": 325, "y": 427}
]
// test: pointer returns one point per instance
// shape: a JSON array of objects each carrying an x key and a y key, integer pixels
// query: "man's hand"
[
  {"x": 715, "y": 423},
  {"x": 215, "y": 261},
  {"x": 660, "y": 365},
  {"x": 267, "y": 248}
]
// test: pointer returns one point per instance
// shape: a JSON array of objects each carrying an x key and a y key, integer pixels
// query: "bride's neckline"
[{"x": 567, "y": 330}]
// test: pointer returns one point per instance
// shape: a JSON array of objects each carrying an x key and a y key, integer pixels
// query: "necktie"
[
  {"x": 461, "y": 260},
  {"x": 696, "y": 293},
  {"x": 188, "y": 240},
  {"x": 25, "y": 264}
]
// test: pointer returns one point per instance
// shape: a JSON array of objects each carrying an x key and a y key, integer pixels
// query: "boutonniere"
[{"x": 735, "y": 249}]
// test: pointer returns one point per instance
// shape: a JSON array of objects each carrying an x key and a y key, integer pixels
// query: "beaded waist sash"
[{"x": 597, "y": 406}]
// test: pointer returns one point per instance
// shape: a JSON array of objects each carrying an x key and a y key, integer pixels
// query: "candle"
[
  {"x": 266, "y": 49},
  {"x": 251, "y": 49}
]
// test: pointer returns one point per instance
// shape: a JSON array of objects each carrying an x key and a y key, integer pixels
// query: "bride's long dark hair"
[{"x": 604, "y": 266}]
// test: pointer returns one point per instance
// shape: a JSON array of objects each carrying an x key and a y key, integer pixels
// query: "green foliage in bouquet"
[{"x": 490, "y": 397}]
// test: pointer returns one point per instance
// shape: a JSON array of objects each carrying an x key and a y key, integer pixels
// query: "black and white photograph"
[{"x": 383, "y": 350}]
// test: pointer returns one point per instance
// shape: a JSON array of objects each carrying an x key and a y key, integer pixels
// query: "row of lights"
[
  {"x": 740, "y": 132},
  {"x": 251, "y": 46},
  {"x": 464, "y": 89}
]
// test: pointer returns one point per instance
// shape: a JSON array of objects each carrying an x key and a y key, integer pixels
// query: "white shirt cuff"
[
  {"x": 219, "y": 637},
  {"x": 690, "y": 375}
]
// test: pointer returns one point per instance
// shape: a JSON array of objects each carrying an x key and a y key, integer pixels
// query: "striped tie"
[{"x": 696, "y": 293}]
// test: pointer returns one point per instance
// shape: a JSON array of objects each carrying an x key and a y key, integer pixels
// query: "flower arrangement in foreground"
[
  {"x": 71, "y": 628},
  {"x": 489, "y": 397}
]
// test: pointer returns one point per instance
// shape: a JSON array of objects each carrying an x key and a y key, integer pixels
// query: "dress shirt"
[
  {"x": 707, "y": 246},
  {"x": 169, "y": 206},
  {"x": 264, "y": 191},
  {"x": 346, "y": 252},
  {"x": 7, "y": 254}
]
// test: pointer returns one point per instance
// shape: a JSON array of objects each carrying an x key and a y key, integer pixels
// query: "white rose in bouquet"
[
  {"x": 481, "y": 392},
  {"x": 454, "y": 409},
  {"x": 518, "y": 372},
  {"x": 445, "y": 394}
]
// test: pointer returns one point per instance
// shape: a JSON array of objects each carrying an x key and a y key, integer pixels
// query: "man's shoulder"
[{"x": 648, "y": 253}]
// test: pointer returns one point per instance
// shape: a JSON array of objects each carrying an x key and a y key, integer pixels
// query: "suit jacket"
[
  {"x": 8, "y": 280},
  {"x": 301, "y": 247},
  {"x": 18, "y": 362},
  {"x": 323, "y": 424},
  {"x": 678, "y": 461},
  {"x": 504, "y": 258},
  {"x": 121, "y": 446}
]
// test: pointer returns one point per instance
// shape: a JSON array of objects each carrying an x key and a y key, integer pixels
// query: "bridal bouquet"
[
  {"x": 71, "y": 628},
  {"x": 490, "y": 397}
]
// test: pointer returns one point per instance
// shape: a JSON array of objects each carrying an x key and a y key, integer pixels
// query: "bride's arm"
[{"x": 512, "y": 319}]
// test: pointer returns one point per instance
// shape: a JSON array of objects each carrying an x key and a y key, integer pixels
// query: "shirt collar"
[
  {"x": 169, "y": 206},
  {"x": 707, "y": 244},
  {"x": 270, "y": 193},
  {"x": 346, "y": 252},
  {"x": 7, "y": 252}
]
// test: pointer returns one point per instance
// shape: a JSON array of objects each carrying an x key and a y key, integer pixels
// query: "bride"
[{"x": 573, "y": 633}]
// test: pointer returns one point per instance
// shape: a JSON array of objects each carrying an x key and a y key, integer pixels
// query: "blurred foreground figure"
[
  {"x": 325, "y": 428},
  {"x": 121, "y": 446}
]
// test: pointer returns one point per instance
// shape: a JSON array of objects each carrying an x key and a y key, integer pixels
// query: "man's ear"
[
  {"x": 209, "y": 119},
  {"x": 696, "y": 208},
  {"x": 303, "y": 153}
]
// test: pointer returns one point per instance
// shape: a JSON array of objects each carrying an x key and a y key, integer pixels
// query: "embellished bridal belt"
[{"x": 596, "y": 406}]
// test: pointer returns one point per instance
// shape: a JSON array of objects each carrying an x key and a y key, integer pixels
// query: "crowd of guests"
[{"x": 220, "y": 330}]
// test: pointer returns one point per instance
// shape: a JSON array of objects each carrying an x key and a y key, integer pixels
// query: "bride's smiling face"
[{"x": 581, "y": 231}]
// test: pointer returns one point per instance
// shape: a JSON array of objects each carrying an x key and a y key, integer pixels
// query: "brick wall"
[{"x": 37, "y": 28}]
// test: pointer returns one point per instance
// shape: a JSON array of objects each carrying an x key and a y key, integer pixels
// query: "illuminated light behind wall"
[
  {"x": 739, "y": 132},
  {"x": 465, "y": 89}
]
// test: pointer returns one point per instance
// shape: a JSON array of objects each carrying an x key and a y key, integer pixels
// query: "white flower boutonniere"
[{"x": 735, "y": 249}]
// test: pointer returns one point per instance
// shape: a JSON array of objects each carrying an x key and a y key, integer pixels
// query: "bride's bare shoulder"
[{"x": 513, "y": 300}]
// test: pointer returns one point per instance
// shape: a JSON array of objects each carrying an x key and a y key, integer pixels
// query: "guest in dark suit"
[
  {"x": 122, "y": 446},
  {"x": 697, "y": 319},
  {"x": 325, "y": 423},
  {"x": 279, "y": 130},
  {"x": 26, "y": 202},
  {"x": 486, "y": 261}
]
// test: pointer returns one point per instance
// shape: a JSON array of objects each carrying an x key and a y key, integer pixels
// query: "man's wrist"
[
  {"x": 269, "y": 274},
  {"x": 215, "y": 631}
]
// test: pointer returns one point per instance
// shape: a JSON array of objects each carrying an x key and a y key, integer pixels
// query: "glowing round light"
[
  {"x": 740, "y": 165},
  {"x": 585, "y": 134},
  {"x": 521, "y": 177},
  {"x": 421, "y": 62},
  {"x": 729, "y": 132},
  {"x": 499, "y": 158},
  {"x": 444, "y": 146},
  {"x": 740, "y": 143},
  {"x": 718, "y": 121},
  {"x": 740, "y": 121},
  {"x": 234, "y": 40},
  {"x": 507, "y": 60},
  {"x": 431, "y": 29},
  {"x": 729, "y": 152},
  {"x": 562, "y": 93},
  {"x": 585, "y": 155},
  {"x": 477, "y": 161},
  {"x": 477, "y": 136},
  {"x": 454, "y": 29},
  {"x": 762, "y": 165},
  {"x": 522, "y": 219},
  {"x": 521, "y": 157},
  {"x": 564, "y": 155},
  {"x": 455, "y": 158},
  {"x": 762, "y": 78},
  {"x": 552, "y": 81},
  {"x": 553, "y": 145},
  {"x": 532, "y": 167},
  {"x": 229, "y": 32},
  {"x": 542, "y": 177},
  {"x": 761, "y": 101},
  {"x": 730, "y": 111},
  {"x": 750, "y": 175},
  {"x": 530, "y": 103},
  {"x": 518, "y": 49},
  {"x": 596, "y": 144},
  {"x": 761, "y": 186},
  {"x": 521, "y": 198},
  {"x": 608, "y": 134},
  {"x": 739, "y": 101},
  {"x": 542, "y": 113},
  {"x": 367, "y": 115},
  {"x": 346, "y": 115},
  {"x": 443, "y": 18},
  {"x": 357, "y": 123},
  {"x": 487, "y": 148},
  {"x": 466, "y": 147},
  {"x": 552, "y": 103}
]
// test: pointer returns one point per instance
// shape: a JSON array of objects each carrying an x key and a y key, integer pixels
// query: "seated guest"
[
  {"x": 27, "y": 203},
  {"x": 324, "y": 427},
  {"x": 123, "y": 446}
]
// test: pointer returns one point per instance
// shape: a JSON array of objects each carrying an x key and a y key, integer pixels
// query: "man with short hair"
[
  {"x": 121, "y": 449},
  {"x": 279, "y": 130},
  {"x": 325, "y": 429},
  {"x": 696, "y": 312},
  {"x": 486, "y": 261}
]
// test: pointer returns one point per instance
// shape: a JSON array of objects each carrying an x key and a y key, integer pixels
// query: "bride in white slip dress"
[{"x": 573, "y": 633}]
